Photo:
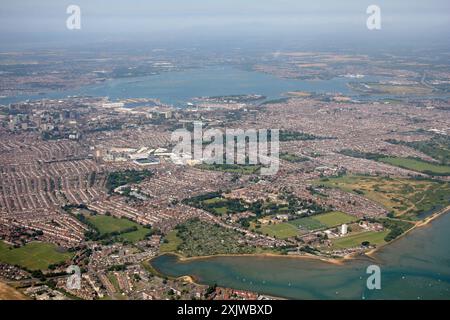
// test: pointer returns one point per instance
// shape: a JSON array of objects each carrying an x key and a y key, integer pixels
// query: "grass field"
[
  {"x": 172, "y": 244},
  {"x": 33, "y": 256},
  {"x": 137, "y": 235},
  {"x": 322, "y": 221},
  {"x": 280, "y": 231},
  {"x": 112, "y": 278},
  {"x": 120, "y": 178},
  {"x": 334, "y": 218},
  {"x": 393, "y": 89},
  {"x": 292, "y": 157},
  {"x": 231, "y": 168},
  {"x": 355, "y": 240},
  {"x": 438, "y": 147},
  {"x": 403, "y": 197},
  {"x": 307, "y": 223},
  {"x": 108, "y": 224},
  {"x": 417, "y": 165},
  {"x": 221, "y": 210},
  {"x": 217, "y": 205},
  {"x": 414, "y": 164},
  {"x": 213, "y": 200}
]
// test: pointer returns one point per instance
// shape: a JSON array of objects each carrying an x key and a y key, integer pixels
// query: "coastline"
[
  {"x": 417, "y": 225},
  {"x": 336, "y": 261},
  {"x": 258, "y": 255}
]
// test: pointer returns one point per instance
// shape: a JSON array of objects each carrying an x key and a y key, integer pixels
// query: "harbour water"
[
  {"x": 416, "y": 266},
  {"x": 178, "y": 87}
]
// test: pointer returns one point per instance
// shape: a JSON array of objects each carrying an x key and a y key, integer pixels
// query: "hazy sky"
[{"x": 35, "y": 20}]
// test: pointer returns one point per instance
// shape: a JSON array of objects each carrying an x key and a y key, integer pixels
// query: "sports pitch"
[{"x": 33, "y": 256}]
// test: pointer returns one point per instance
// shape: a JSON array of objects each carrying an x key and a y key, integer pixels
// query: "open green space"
[
  {"x": 355, "y": 240},
  {"x": 322, "y": 221},
  {"x": 120, "y": 228},
  {"x": 170, "y": 243},
  {"x": 290, "y": 135},
  {"x": 438, "y": 147},
  {"x": 395, "y": 227},
  {"x": 214, "y": 200},
  {"x": 282, "y": 230},
  {"x": 135, "y": 236},
  {"x": 391, "y": 89},
  {"x": 402, "y": 197},
  {"x": 216, "y": 204},
  {"x": 307, "y": 223},
  {"x": 287, "y": 203},
  {"x": 112, "y": 278},
  {"x": 108, "y": 224},
  {"x": 231, "y": 168},
  {"x": 334, "y": 218},
  {"x": 414, "y": 164},
  {"x": 33, "y": 255},
  {"x": 417, "y": 165},
  {"x": 120, "y": 178},
  {"x": 292, "y": 158}
]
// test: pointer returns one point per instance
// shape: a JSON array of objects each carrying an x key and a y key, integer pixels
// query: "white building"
[{"x": 344, "y": 230}]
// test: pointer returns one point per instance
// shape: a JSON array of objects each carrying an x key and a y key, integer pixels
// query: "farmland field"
[{"x": 33, "y": 256}]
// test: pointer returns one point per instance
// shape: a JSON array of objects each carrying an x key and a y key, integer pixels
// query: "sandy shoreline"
[
  {"x": 261, "y": 255},
  {"x": 336, "y": 261}
]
